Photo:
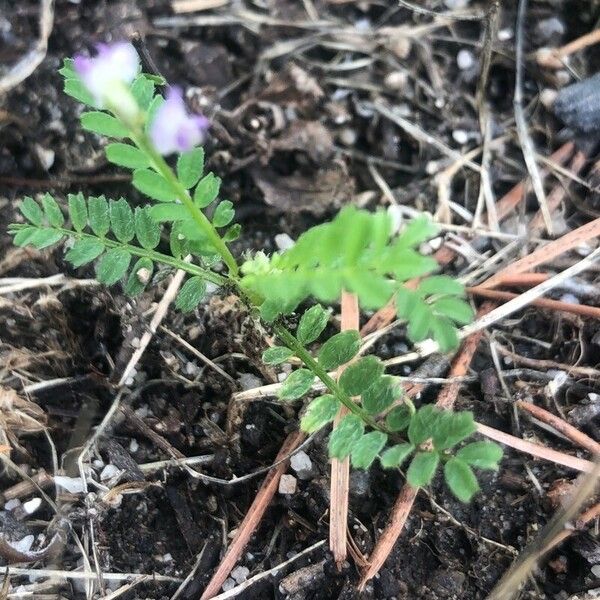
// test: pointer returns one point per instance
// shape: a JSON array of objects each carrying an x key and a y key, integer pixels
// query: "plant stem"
[
  {"x": 303, "y": 354},
  {"x": 161, "y": 166}
]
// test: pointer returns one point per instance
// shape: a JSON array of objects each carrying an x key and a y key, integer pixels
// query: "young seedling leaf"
[
  {"x": 207, "y": 190},
  {"x": 393, "y": 457},
  {"x": 139, "y": 277},
  {"x": 319, "y": 412},
  {"x": 52, "y": 211},
  {"x": 153, "y": 185},
  {"x": 423, "y": 424},
  {"x": 312, "y": 323},
  {"x": 339, "y": 349},
  {"x": 126, "y": 155},
  {"x": 84, "y": 251},
  {"x": 460, "y": 479},
  {"x": 32, "y": 211},
  {"x": 224, "y": 213},
  {"x": 147, "y": 230},
  {"x": 366, "y": 449},
  {"x": 360, "y": 375},
  {"x": 190, "y": 166},
  {"x": 452, "y": 428},
  {"x": 343, "y": 437},
  {"x": 296, "y": 385},
  {"x": 422, "y": 468},
  {"x": 103, "y": 124},
  {"x": 98, "y": 215},
  {"x": 276, "y": 355},
  {"x": 112, "y": 266},
  {"x": 381, "y": 395},
  {"x": 482, "y": 455},
  {"x": 78, "y": 211},
  {"x": 191, "y": 294},
  {"x": 398, "y": 419},
  {"x": 121, "y": 220}
]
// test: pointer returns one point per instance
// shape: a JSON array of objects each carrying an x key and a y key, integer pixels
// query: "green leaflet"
[
  {"x": 140, "y": 276},
  {"x": 31, "y": 210},
  {"x": 112, "y": 266},
  {"x": 153, "y": 185},
  {"x": 84, "y": 251},
  {"x": 343, "y": 437},
  {"x": 360, "y": 375},
  {"x": 190, "y": 166},
  {"x": 103, "y": 124},
  {"x": 78, "y": 211},
  {"x": 366, "y": 449},
  {"x": 121, "y": 220},
  {"x": 339, "y": 349},
  {"x": 98, "y": 215},
  {"x": 319, "y": 413},
  {"x": 312, "y": 324},
  {"x": 126, "y": 155},
  {"x": 147, "y": 230},
  {"x": 207, "y": 190},
  {"x": 224, "y": 213},
  {"x": 276, "y": 355},
  {"x": 296, "y": 385},
  {"x": 191, "y": 294},
  {"x": 460, "y": 479},
  {"x": 481, "y": 455},
  {"x": 52, "y": 211},
  {"x": 393, "y": 457},
  {"x": 422, "y": 468},
  {"x": 381, "y": 395}
]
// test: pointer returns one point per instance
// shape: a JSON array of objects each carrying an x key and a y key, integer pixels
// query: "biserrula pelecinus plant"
[{"x": 186, "y": 226}]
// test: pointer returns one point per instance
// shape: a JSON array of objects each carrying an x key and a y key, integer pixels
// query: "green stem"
[
  {"x": 293, "y": 344},
  {"x": 161, "y": 166}
]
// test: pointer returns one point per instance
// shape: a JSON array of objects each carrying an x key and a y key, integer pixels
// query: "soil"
[{"x": 295, "y": 136}]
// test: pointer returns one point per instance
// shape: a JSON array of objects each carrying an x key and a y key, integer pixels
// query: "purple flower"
[
  {"x": 113, "y": 64},
  {"x": 173, "y": 128}
]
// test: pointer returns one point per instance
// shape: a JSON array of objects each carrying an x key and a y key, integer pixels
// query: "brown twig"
[
  {"x": 537, "y": 450},
  {"x": 576, "y": 436},
  {"x": 252, "y": 518},
  {"x": 340, "y": 469},
  {"x": 582, "y": 310},
  {"x": 553, "y": 58}
]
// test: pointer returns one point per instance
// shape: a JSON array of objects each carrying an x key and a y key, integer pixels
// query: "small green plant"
[{"x": 188, "y": 226}]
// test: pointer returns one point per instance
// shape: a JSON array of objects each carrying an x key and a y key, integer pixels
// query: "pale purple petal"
[
  {"x": 173, "y": 129},
  {"x": 113, "y": 63}
]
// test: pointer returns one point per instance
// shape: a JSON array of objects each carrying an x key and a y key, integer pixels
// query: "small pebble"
[
  {"x": 109, "y": 472},
  {"x": 596, "y": 570},
  {"x": 32, "y": 505},
  {"x": 12, "y": 504},
  {"x": 228, "y": 584},
  {"x": 550, "y": 29},
  {"x": 301, "y": 463},
  {"x": 23, "y": 545},
  {"x": 347, "y": 136},
  {"x": 460, "y": 136},
  {"x": 240, "y": 574},
  {"x": 287, "y": 484},
  {"x": 570, "y": 299},
  {"x": 465, "y": 59},
  {"x": 133, "y": 446},
  {"x": 283, "y": 241},
  {"x": 456, "y": 4},
  {"x": 396, "y": 80},
  {"x": 249, "y": 381}
]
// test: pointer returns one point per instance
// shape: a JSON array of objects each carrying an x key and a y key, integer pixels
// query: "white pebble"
[
  {"x": 301, "y": 463},
  {"x": 454, "y": 4},
  {"x": 570, "y": 299},
  {"x": 283, "y": 241},
  {"x": 287, "y": 485},
  {"x": 109, "y": 472},
  {"x": 228, "y": 584},
  {"x": 32, "y": 505},
  {"x": 460, "y": 136},
  {"x": 249, "y": 381},
  {"x": 74, "y": 485},
  {"x": 240, "y": 574},
  {"x": 505, "y": 34},
  {"x": 12, "y": 504},
  {"x": 133, "y": 446},
  {"x": 23, "y": 545},
  {"x": 465, "y": 59}
]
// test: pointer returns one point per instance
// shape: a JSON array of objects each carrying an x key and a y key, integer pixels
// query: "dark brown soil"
[{"x": 294, "y": 133}]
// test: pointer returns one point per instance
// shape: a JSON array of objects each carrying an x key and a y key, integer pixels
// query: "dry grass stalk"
[
  {"x": 18, "y": 416},
  {"x": 253, "y": 517},
  {"x": 340, "y": 469},
  {"x": 187, "y": 6}
]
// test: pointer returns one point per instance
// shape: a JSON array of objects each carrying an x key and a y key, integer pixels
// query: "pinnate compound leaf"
[
  {"x": 153, "y": 185},
  {"x": 454, "y": 308},
  {"x": 84, "y": 251},
  {"x": 98, "y": 215},
  {"x": 139, "y": 277},
  {"x": 296, "y": 385},
  {"x": 112, "y": 266},
  {"x": 224, "y": 213},
  {"x": 343, "y": 437},
  {"x": 481, "y": 455},
  {"x": 121, "y": 220},
  {"x": 339, "y": 349},
  {"x": 320, "y": 411},
  {"x": 360, "y": 375},
  {"x": 52, "y": 211},
  {"x": 78, "y": 211},
  {"x": 147, "y": 230},
  {"x": 422, "y": 468},
  {"x": 127, "y": 156},
  {"x": 191, "y": 294},
  {"x": 366, "y": 449},
  {"x": 460, "y": 479},
  {"x": 381, "y": 395},
  {"x": 32, "y": 211},
  {"x": 423, "y": 424},
  {"x": 276, "y": 355},
  {"x": 312, "y": 323},
  {"x": 398, "y": 419},
  {"x": 453, "y": 427},
  {"x": 190, "y": 166},
  {"x": 207, "y": 190},
  {"x": 393, "y": 457},
  {"x": 103, "y": 124}
]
